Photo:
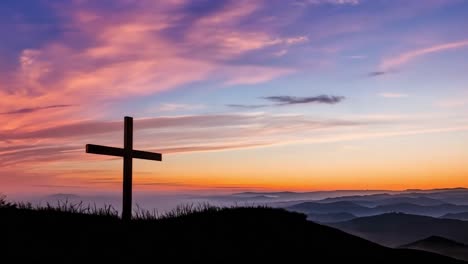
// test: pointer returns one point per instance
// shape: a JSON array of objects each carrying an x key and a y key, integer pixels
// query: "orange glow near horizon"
[{"x": 330, "y": 167}]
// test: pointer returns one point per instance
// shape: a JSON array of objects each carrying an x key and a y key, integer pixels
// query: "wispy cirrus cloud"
[
  {"x": 169, "y": 107},
  {"x": 33, "y": 109},
  {"x": 406, "y": 57},
  {"x": 246, "y": 106},
  {"x": 393, "y": 95}
]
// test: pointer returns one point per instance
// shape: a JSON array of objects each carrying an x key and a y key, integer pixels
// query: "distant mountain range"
[
  {"x": 271, "y": 198},
  {"x": 360, "y": 210},
  {"x": 435, "y": 193},
  {"x": 396, "y": 229},
  {"x": 440, "y": 245},
  {"x": 339, "y": 193}
]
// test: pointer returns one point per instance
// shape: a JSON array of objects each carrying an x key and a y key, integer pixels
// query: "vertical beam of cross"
[
  {"x": 127, "y": 169},
  {"x": 128, "y": 154}
]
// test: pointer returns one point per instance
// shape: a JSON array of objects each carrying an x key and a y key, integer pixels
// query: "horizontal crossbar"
[
  {"x": 138, "y": 154},
  {"x": 103, "y": 150},
  {"x": 111, "y": 151}
]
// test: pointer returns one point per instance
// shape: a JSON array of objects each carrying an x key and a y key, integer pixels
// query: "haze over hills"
[
  {"x": 441, "y": 245},
  {"x": 396, "y": 229}
]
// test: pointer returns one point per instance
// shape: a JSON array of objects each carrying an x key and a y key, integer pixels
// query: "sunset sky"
[{"x": 237, "y": 95}]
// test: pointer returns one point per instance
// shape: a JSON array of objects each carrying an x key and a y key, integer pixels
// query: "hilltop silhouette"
[{"x": 213, "y": 235}]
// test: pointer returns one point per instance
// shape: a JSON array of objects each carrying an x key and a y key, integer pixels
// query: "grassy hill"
[{"x": 214, "y": 235}]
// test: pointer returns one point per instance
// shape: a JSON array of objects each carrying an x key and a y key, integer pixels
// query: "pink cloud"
[{"x": 127, "y": 56}]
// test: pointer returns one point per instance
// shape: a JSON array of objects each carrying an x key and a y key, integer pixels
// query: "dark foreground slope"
[{"x": 238, "y": 235}]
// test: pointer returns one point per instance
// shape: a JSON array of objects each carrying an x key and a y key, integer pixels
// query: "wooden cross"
[{"x": 128, "y": 154}]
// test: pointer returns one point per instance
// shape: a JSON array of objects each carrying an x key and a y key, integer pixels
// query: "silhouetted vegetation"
[
  {"x": 139, "y": 214},
  {"x": 3, "y": 201},
  {"x": 63, "y": 207}
]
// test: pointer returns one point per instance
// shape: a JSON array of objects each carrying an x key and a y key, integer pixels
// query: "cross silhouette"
[{"x": 128, "y": 154}]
